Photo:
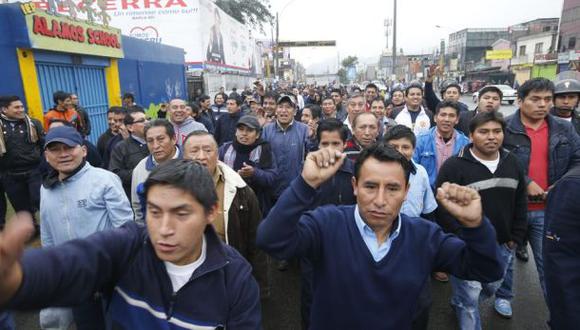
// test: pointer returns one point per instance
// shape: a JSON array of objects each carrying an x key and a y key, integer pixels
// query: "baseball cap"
[
  {"x": 250, "y": 121},
  {"x": 287, "y": 98},
  {"x": 64, "y": 134}
]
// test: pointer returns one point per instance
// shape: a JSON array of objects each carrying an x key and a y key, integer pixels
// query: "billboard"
[
  {"x": 500, "y": 54},
  {"x": 210, "y": 38}
]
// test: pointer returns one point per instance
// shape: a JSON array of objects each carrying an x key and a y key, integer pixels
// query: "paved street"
[{"x": 282, "y": 311}]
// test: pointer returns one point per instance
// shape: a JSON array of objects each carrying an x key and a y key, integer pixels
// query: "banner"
[
  {"x": 501, "y": 54},
  {"x": 210, "y": 38},
  {"x": 63, "y": 34}
]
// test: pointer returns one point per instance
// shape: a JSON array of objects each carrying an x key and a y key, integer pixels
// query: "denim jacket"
[{"x": 426, "y": 152}]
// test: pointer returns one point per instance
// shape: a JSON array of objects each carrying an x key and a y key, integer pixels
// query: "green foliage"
[
  {"x": 342, "y": 76},
  {"x": 254, "y": 13},
  {"x": 349, "y": 61}
]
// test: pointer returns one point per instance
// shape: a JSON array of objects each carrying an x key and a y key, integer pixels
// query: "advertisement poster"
[{"x": 209, "y": 37}]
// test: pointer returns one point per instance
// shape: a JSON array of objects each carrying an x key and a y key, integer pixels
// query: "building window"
[
  {"x": 547, "y": 28},
  {"x": 538, "y": 48},
  {"x": 523, "y": 50},
  {"x": 572, "y": 43}
]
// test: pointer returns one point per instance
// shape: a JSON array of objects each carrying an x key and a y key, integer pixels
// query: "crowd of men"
[{"x": 374, "y": 195}]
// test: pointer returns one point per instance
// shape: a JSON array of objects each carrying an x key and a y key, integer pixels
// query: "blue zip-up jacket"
[
  {"x": 564, "y": 145},
  {"x": 123, "y": 265},
  {"x": 350, "y": 289},
  {"x": 426, "y": 152},
  {"x": 290, "y": 147},
  {"x": 90, "y": 200}
]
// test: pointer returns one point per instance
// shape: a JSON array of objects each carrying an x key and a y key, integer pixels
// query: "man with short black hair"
[
  {"x": 160, "y": 138},
  {"x": 439, "y": 143},
  {"x": 21, "y": 144},
  {"x": 547, "y": 148},
  {"x": 205, "y": 111},
  {"x": 369, "y": 258},
  {"x": 502, "y": 186},
  {"x": 488, "y": 100},
  {"x": 170, "y": 264},
  {"x": 371, "y": 93},
  {"x": 84, "y": 116},
  {"x": 336, "y": 95},
  {"x": 413, "y": 115},
  {"x": 115, "y": 117},
  {"x": 225, "y": 127},
  {"x": 354, "y": 106},
  {"x": 450, "y": 91},
  {"x": 62, "y": 109},
  {"x": 129, "y": 152},
  {"x": 128, "y": 100}
]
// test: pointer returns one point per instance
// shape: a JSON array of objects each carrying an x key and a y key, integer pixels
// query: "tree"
[
  {"x": 254, "y": 13},
  {"x": 349, "y": 61}
]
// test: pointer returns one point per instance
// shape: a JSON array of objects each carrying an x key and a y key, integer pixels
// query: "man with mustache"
[{"x": 368, "y": 258}]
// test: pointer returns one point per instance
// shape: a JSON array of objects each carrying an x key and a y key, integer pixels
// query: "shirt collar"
[
  {"x": 287, "y": 128},
  {"x": 440, "y": 138},
  {"x": 218, "y": 175},
  {"x": 138, "y": 139},
  {"x": 365, "y": 229}
]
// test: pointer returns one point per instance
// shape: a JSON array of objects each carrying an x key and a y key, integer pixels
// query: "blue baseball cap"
[{"x": 64, "y": 134}]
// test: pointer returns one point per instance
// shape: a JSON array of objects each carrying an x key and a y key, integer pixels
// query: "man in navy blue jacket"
[
  {"x": 371, "y": 262},
  {"x": 174, "y": 274}
]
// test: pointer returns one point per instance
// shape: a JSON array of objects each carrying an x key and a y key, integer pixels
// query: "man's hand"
[
  {"x": 463, "y": 203},
  {"x": 535, "y": 192},
  {"x": 124, "y": 132},
  {"x": 12, "y": 241},
  {"x": 321, "y": 165},
  {"x": 246, "y": 171},
  {"x": 433, "y": 71}
]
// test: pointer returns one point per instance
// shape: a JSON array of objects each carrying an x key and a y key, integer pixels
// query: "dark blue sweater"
[
  {"x": 350, "y": 289},
  {"x": 122, "y": 264}
]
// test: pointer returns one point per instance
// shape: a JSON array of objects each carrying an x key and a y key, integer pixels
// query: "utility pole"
[
  {"x": 276, "y": 48},
  {"x": 395, "y": 38},
  {"x": 388, "y": 23}
]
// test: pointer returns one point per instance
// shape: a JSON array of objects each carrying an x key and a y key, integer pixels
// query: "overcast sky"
[{"x": 357, "y": 26}]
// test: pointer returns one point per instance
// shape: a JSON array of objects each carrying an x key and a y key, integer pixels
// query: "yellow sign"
[
  {"x": 63, "y": 34},
  {"x": 502, "y": 54}
]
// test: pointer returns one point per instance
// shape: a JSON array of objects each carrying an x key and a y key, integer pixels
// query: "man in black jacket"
[
  {"x": 129, "y": 152},
  {"x": 495, "y": 173},
  {"x": 449, "y": 89},
  {"x": 489, "y": 99},
  {"x": 21, "y": 144}
]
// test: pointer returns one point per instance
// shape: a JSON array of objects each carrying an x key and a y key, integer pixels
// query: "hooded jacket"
[
  {"x": 123, "y": 265},
  {"x": 182, "y": 130},
  {"x": 90, "y": 200}
]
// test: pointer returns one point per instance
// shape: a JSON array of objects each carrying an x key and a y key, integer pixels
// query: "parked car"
[{"x": 509, "y": 94}]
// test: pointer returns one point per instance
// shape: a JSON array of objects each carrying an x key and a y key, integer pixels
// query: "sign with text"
[
  {"x": 63, "y": 34},
  {"x": 500, "y": 54},
  {"x": 319, "y": 43},
  {"x": 210, "y": 37}
]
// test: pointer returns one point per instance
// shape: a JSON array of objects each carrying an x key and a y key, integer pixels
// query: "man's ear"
[
  {"x": 354, "y": 188},
  {"x": 212, "y": 213}
]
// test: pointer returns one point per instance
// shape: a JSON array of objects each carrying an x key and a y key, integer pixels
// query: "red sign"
[{"x": 73, "y": 32}]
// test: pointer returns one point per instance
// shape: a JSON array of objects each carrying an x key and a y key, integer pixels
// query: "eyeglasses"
[{"x": 140, "y": 121}]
